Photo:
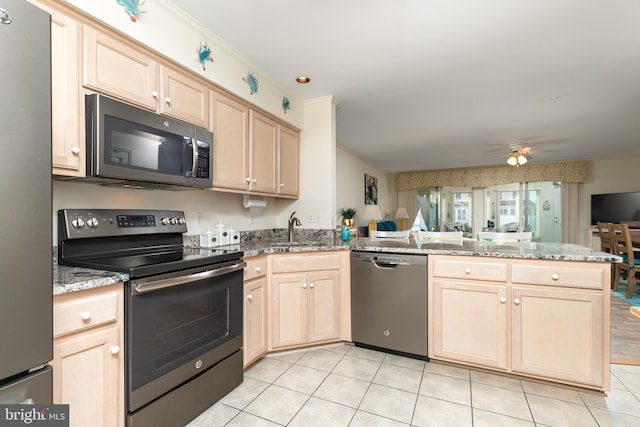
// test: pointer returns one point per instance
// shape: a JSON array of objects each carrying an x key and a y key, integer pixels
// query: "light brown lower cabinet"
[
  {"x": 255, "y": 310},
  {"x": 544, "y": 319},
  {"x": 88, "y": 364}
]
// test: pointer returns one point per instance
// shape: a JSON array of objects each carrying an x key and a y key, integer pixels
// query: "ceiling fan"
[{"x": 518, "y": 155}]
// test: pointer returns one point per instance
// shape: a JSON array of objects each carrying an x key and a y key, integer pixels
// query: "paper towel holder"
[{"x": 249, "y": 202}]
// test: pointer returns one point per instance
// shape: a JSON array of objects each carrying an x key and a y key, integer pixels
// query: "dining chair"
[
  {"x": 605, "y": 236},
  {"x": 621, "y": 246},
  {"x": 631, "y": 224},
  {"x": 489, "y": 236},
  {"x": 439, "y": 236}
]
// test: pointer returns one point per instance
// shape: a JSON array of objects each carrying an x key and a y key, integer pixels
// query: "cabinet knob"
[
  {"x": 503, "y": 300},
  {"x": 555, "y": 277},
  {"x": 254, "y": 180},
  {"x": 114, "y": 349},
  {"x": 467, "y": 271},
  {"x": 516, "y": 301},
  {"x": 258, "y": 269},
  {"x": 311, "y": 285},
  {"x": 248, "y": 179},
  {"x": 304, "y": 286},
  {"x": 85, "y": 315},
  {"x": 281, "y": 185},
  {"x": 250, "y": 297},
  {"x": 75, "y": 150},
  {"x": 154, "y": 94},
  {"x": 167, "y": 100}
]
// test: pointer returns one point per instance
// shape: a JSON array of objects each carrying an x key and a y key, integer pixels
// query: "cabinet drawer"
[
  {"x": 75, "y": 312},
  {"x": 256, "y": 267},
  {"x": 473, "y": 270},
  {"x": 305, "y": 262},
  {"x": 558, "y": 273}
]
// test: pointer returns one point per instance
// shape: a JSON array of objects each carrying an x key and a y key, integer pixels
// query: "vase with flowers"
[{"x": 348, "y": 217}]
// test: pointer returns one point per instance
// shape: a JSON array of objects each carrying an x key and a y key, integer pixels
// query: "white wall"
[
  {"x": 610, "y": 175},
  {"x": 350, "y": 172}
]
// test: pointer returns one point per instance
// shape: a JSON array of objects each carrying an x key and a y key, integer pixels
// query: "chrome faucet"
[{"x": 293, "y": 221}]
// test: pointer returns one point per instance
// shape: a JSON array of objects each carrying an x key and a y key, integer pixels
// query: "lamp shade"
[
  {"x": 401, "y": 213},
  {"x": 372, "y": 212},
  {"x": 512, "y": 160}
]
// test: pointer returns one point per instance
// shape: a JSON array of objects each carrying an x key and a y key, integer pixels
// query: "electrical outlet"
[{"x": 314, "y": 218}]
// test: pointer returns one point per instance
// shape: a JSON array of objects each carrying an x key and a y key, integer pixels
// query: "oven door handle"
[{"x": 155, "y": 285}]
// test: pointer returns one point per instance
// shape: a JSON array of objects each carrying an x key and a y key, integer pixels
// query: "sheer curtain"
[{"x": 570, "y": 200}]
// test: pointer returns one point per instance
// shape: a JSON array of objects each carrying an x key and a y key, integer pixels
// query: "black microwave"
[{"x": 131, "y": 147}]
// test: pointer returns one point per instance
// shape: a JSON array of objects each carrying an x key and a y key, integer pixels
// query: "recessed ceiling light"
[{"x": 303, "y": 80}]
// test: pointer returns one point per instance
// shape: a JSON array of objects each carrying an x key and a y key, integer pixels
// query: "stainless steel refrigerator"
[{"x": 26, "y": 289}]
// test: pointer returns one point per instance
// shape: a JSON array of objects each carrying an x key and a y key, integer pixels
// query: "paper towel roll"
[{"x": 248, "y": 202}]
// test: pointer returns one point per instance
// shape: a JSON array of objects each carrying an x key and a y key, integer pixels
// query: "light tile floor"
[{"x": 343, "y": 385}]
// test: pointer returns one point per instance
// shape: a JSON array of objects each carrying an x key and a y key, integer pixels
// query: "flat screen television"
[{"x": 615, "y": 207}]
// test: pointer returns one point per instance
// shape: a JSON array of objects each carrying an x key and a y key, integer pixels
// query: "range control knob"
[
  {"x": 92, "y": 222},
  {"x": 181, "y": 220},
  {"x": 173, "y": 220},
  {"x": 164, "y": 221},
  {"x": 77, "y": 223}
]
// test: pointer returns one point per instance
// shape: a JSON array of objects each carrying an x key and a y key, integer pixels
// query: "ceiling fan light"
[
  {"x": 522, "y": 159},
  {"x": 512, "y": 160}
]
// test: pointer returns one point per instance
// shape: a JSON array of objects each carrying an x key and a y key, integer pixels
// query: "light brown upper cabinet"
[
  {"x": 252, "y": 152},
  {"x": 116, "y": 67},
  {"x": 288, "y": 161},
  {"x": 67, "y": 140}
]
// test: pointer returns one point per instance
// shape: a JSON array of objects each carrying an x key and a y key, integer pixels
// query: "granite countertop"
[{"x": 71, "y": 279}]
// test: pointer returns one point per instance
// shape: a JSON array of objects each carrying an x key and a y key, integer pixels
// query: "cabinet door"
[
  {"x": 67, "y": 141},
  {"x": 262, "y": 155},
  {"x": 324, "y": 306},
  {"x": 86, "y": 372},
  {"x": 288, "y": 161},
  {"x": 558, "y": 333},
  {"x": 115, "y": 67},
  {"x": 470, "y": 322},
  {"x": 231, "y": 143},
  {"x": 289, "y": 310},
  {"x": 255, "y": 319},
  {"x": 184, "y": 97}
]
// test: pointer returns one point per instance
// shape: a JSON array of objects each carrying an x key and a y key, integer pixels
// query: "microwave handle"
[{"x": 194, "y": 165}]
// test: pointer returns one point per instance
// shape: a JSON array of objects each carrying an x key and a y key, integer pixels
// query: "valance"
[{"x": 572, "y": 171}]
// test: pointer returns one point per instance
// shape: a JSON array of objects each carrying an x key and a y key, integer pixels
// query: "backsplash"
[{"x": 272, "y": 234}]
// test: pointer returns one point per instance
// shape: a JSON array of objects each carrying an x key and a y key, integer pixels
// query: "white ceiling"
[{"x": 433, "y": 84}]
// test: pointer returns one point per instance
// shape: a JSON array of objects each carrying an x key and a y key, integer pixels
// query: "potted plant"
[{"x": 348, "y": 215}]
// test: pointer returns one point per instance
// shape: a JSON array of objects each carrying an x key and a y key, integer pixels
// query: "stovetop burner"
[{"x": 138, "y": 242}]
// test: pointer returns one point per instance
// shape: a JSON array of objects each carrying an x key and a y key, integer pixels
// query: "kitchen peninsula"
[{"x": 539, "y": 310}]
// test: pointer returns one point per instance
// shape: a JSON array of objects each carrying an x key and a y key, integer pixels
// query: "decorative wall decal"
[
  {"x": 252, "y": 81},
  {"x": 285, "y": 104},
  {"x": 132, "y": 7},
  {"x": 204, "y": 54}
]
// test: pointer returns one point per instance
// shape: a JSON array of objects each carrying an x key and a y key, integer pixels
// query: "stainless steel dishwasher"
[{"x": 389, "y": 302}]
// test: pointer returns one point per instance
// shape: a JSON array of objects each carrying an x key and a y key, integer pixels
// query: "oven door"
[{"x": 179, "y": 325}]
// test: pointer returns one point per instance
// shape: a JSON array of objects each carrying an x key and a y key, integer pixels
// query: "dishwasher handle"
[{"x": 386, "y": 265}]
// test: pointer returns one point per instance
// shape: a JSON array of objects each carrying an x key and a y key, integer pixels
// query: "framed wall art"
[{"x": 370, "y": 190}]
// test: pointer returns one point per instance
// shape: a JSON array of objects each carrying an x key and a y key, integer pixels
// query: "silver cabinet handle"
[
  {"x": 114, "y": 349},
  {"x": 258, "y": 269},
  {"x": 555, "y": 277},
  {"x": 154, "y": 94},
  {"x": 503, "y": 300},
  {"x": 250, "y": 297},
  {"x": 467, "y": 271},
  {"x": 304, "y": 286},
  {"x": 85, "y": 315},
  {"x": 254, "y": 180},
  {"x": 167, "y": 100},
  {"x": 516, "y": 301},
  {"x": 75, "y": 150},
  {"x": 311, "y": 285}
]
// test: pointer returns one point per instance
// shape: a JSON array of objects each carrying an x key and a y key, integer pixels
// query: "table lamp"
[
  {"x": 372, "y": 212},
  {"x": 401, "y": 216}
]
